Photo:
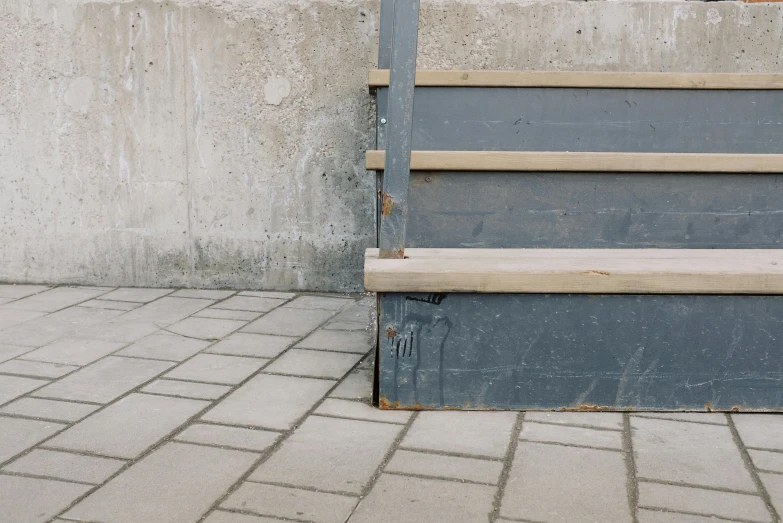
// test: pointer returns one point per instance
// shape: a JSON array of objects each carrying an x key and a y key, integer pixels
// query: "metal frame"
[{"x": 396, "y": 177}]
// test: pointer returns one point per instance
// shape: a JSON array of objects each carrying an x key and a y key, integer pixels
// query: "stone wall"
[{"x": 220, "y": 143}]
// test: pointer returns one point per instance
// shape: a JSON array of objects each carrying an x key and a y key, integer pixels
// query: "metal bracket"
[{"x": 396, "y": 176}]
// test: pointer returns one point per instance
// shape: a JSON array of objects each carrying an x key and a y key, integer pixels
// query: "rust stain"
[
  {"x": 387, "y": 204},
  {"x": 391, "y": 333},
  {"x": 602, "y": 273},
  {"x": 708, "y": 406},
  {"x": 384, "y": 403},
  {"x": 735, "y": 408}
]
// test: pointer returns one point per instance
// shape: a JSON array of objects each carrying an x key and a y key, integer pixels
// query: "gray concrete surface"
[
  {"x": 219, "y": 143},
  {"x": 273, "y": 443}
]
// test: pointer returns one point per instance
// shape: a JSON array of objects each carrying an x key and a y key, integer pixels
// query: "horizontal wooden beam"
[
  {"x": 585, "y": 79},
  {"x": 579, "y": 271},
  {"x": 584, "y": 162}
]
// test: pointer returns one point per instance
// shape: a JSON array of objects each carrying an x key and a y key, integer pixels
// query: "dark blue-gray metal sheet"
[
  {"x": 620, "y": 120},
  {"x": 595, "y": 210},
  {"x": 493, "y": 351}
]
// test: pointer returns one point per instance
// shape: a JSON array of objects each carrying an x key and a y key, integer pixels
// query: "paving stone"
[
  {"x": 247, "y": 439},
  {"x": 137, "y": 295},
  {"x": 319, "y": 302},
  {"x": 414, "y": 500},
  {"x": 206, "y": 328},
  {"x": 314, "y": 363},
  {"x": 249, "y": 303},
  {"x": 220, "y": 516},
  {"x": 12, "y": 387},
  {"x": 110, "y": 304},
  {"x": 18, "y": 435},
  {"x": 5, "y": 300},
  {"x": 164, "y": 346},
  {"x": 128, "y": 427},
  {"x": 227, "y": 314},
  {"x": 567, "y": 435},
  {"x": 716, "y": 418},
  {"x": 760, "y": 430},
  {"x": 255, "y": 345},
  {"x": 20, "y": 291},
  {"x": 269, "y": 401},
  {"x": 56, "y": 299},
  {"x": 362, "y": 411},
  {"x": 657, "y": 516},
  {"x": 177, "y": 482},
  {"x": 702, "y": 501},
  {"x": 8, "y": 352},
  {"x": 10, "y": 317},
  {"x": 40, "y": 331},
  {"x": 473, "y": 433},
  {"x": 357, "y": 385},
  {"x": 341, "y": 341},
  {"x": 550, "y": 483},
  {"x": 271, "y": 500},
  {"x": 691, "y": 453},
  {"x": 167, "y": 310},
  {"x": 74, "y": 351},
  {"x": 466, "y": 469},
  {"x": 186, "y": 389},
  {"x": 358, "y": 313},
  {"x": 329, "y": 454},
  {"x": 285, "y": 321},
  {"x": 64, "y": 465},
  {"x": 104, "y": 380},
  {"x": 773, "y": 483},
  {"x": 36, "y": 368},
  {"x": 202, "y": 293},
  {"x": 344, "y": 326},
  {"x": 33, "y": 500},
  {"x": 214, "y": 368},
  {"x": 269, "y": 294},
  {"x": 767, "y": 460},
  {"x": 120, "y": 330},
  {"x": 49, "y": 409},
  {"x": 599, "y": 420}
]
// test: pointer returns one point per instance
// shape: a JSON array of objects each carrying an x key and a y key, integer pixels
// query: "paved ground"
[{"x": 149, "y": 405}]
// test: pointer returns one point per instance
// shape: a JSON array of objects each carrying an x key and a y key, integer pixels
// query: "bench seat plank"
[{"x": 578, "y": 271}]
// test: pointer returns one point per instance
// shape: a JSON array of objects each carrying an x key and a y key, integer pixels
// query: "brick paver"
[
  {"x": 129, "y": 427},
  {"x": 161, "y": 405},
  {"x": 689, "y": 453},
  {"x": 329, "y": 454}
]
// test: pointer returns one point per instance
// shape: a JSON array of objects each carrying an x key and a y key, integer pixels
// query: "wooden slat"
[
  {"x": 584, "y": 162},
  {"x": 580, "y": 271},
  {"x": 609, "y": 80}
]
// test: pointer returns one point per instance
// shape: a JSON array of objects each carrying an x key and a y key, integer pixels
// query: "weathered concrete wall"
[{"x": 219, "y": 143}]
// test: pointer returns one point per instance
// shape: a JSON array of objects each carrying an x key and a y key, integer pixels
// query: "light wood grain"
[
  {"x": 584, "y": 162},
  {"x": 586, "y": 79},
  {"x": 580, "y": 271}
]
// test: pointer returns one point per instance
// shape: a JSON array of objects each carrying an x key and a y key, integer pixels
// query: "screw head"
[
  {"x": 428, "y": 179},
  {"x": 383, "y": 121}
]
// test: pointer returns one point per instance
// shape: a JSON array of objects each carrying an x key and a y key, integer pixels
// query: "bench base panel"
[{"x": 580, "y": 352}]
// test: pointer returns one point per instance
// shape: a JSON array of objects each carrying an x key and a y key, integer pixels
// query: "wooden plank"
[
  {"x": 586, "y": 79},
  {"x": 578, "y": 271},
  {"x": 534, "y": 161}
]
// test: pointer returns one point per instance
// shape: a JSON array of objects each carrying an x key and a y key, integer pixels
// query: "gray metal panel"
[
  {"x": 571, "y": 351},
  {"x": 621, "y": 120},
  {"x": 595, "y": 210}
]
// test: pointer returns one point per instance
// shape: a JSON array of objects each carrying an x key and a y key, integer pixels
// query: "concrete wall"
[{"x": 219, "y": 143}]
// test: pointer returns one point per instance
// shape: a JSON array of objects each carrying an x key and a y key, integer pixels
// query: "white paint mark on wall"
[
  {"x": 713, "y": 17},
  {"x": 79, "y": 94},
  {"x": 275, "y": 90}
]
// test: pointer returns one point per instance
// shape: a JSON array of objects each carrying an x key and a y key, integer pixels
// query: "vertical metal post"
[{"x": 396, "y": 175}]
